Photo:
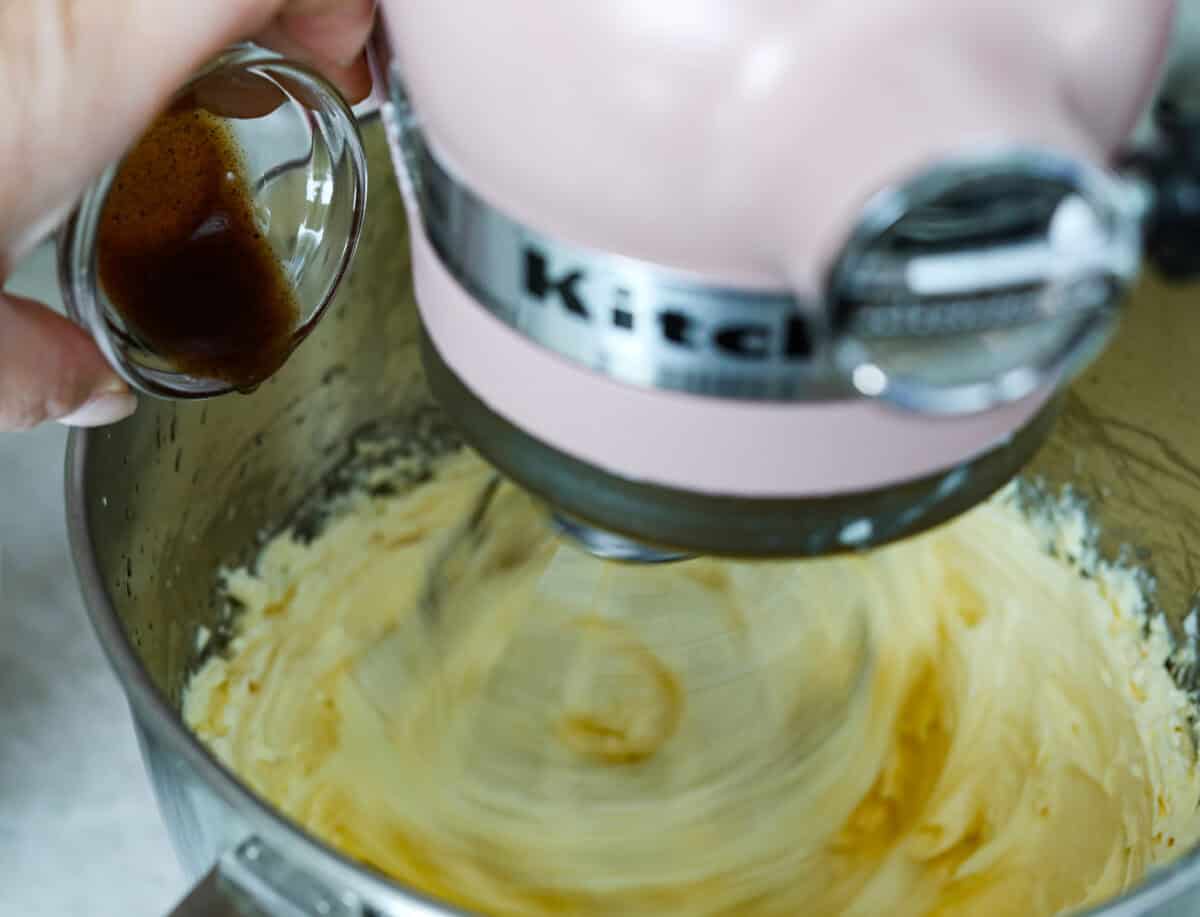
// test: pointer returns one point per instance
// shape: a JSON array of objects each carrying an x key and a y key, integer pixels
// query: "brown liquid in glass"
[{"x": 183, "y": 260}]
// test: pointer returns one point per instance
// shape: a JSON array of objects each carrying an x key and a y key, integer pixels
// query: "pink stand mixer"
[{"x": 768, "y": 279}]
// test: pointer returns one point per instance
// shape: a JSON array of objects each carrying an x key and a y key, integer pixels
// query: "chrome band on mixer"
[
  {"x": 628, "y": 319},
  {"x": 1020, "y": 257}
]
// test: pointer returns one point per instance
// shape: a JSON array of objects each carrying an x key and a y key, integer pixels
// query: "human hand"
[{"x": 82, "y": 79}]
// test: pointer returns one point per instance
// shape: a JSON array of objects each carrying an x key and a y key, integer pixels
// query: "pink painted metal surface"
[{"x": 738, "y": 141}]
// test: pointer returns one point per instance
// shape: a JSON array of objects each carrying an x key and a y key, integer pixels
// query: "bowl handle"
[{"x": 252, "y": 880}]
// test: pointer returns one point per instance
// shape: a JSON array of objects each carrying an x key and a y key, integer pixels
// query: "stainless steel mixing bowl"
[{"x": 161, "y": 500}]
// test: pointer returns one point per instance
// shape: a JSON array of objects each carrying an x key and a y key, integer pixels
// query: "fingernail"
[{"x": 103, "y": 408}]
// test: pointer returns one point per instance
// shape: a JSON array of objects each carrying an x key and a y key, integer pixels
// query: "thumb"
[{"x": 51, "y": 370}]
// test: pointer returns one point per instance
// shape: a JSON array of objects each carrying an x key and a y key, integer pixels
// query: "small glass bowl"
[{"x": 307, "y": 172}]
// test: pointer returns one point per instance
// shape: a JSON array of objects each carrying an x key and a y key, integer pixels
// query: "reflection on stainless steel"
[
  {"x": 611, "y": 546},
  {"x": 943, "y": 314}
]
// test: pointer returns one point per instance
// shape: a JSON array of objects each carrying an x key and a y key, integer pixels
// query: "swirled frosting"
[{"x": 962, "y": 723}]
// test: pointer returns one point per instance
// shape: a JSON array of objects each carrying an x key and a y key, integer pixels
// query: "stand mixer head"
[{"x": 701, "y": 303}]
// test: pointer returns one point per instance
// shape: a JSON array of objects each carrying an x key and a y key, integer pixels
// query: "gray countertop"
[{"x": 79, "y": 830}]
